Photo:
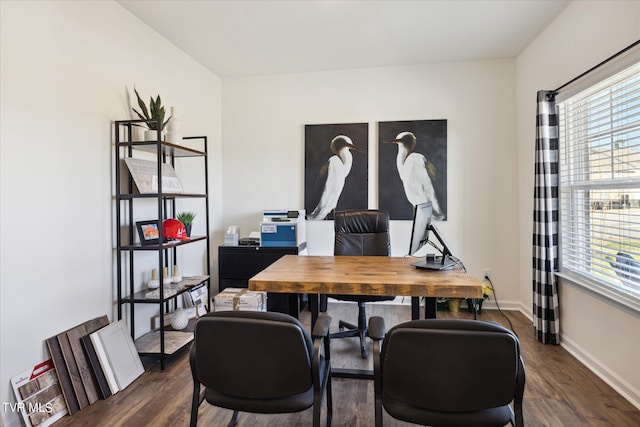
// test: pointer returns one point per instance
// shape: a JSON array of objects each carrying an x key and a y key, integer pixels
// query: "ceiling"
[{"x": 243, "y": 38}]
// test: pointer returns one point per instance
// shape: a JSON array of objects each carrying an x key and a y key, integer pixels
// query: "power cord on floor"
[{"x": 495, "y": 297}]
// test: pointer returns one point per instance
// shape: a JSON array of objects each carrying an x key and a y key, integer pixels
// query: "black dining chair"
[
  {"x": 447, "y": 372},
  {"x": 260, "y": 362},
  {"x": 360, "y": 232}
]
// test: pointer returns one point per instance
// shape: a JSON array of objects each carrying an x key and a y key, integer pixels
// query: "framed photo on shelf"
[{"x": 148, "y": 232}]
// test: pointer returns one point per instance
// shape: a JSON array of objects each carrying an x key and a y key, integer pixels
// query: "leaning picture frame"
[{"x": 148, "y": 231}]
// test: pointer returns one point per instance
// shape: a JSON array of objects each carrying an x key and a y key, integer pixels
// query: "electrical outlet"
[{"x": 486, "y": 272}]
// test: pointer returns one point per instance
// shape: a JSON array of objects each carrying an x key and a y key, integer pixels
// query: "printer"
[{"x": 281, "y": 228}]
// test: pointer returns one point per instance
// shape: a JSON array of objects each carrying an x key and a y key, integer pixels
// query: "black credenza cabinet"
[{"x": 237, "y": 264}]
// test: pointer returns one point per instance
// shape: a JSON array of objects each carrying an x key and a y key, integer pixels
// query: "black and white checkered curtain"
[{"x": 546, "y": 320}]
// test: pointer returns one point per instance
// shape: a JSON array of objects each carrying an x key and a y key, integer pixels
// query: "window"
[{"x": 600, "y": 186}]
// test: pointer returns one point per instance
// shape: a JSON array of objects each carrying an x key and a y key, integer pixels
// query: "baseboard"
[
  {"x": 625, "y": 389},
  {"x": 603, "y": 372}
]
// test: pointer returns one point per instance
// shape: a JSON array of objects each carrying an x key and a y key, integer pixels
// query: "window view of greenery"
[{"x": 600, "y": 183}]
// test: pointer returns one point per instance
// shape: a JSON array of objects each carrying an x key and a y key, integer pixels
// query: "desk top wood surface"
[{"x": 363, "y": 275}]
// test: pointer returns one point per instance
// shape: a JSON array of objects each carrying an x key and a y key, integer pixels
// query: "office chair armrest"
[
  {"x": 321, "y": 329},
  {"x": 377, "y": 328}
]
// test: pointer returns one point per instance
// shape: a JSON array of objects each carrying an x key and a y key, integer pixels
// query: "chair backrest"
[
  {"x": 257, "y": 355},
  {"x": 450, "y": 365},
  {"x": 362, "y": 232}
]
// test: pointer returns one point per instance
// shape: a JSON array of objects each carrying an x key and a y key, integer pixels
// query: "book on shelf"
[{"x": 196, "y": 299}]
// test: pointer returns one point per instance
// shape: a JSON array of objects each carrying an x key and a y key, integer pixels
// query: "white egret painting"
[
  {"x": 412, "y": 167},
  {"x": 336, "y": 168}
]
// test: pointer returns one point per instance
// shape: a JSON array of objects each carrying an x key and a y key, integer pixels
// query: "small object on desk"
[
  {"x": 249, "y": 241},
  {"x": 230, "y": 239},
  {"x": 232, "y": 235}
]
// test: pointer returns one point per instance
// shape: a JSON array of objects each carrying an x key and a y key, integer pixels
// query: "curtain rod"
[{"x": 631, "y": 46}]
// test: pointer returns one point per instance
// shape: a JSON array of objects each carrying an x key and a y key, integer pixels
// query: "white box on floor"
[{"x": 236, "y": 299}]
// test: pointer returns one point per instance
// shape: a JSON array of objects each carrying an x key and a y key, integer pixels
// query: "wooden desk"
[{"x": 362, "y": 275}]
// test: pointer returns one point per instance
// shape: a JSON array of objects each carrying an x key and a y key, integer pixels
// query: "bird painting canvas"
[
  {"x": 335, "y": 168},
  {"x": 412, "y": 167}
]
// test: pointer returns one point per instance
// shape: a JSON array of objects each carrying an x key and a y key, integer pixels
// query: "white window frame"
[{"x": 600, "y": 185}]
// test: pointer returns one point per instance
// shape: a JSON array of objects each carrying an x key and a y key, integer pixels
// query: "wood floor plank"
[{"x": 560, "y": 391}]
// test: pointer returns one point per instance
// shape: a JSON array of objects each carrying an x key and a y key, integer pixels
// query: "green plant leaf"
[
  {"x": 154, "y": 115},
  {"x": 186, "y": 217},
  {"x": 145, "y": 115}
]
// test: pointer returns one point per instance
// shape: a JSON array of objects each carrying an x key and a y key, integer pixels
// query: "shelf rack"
[{"x": 163, "y": 341}]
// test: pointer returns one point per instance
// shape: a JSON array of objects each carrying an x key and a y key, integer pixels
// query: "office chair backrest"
[
  {"x": 270, "y": 352},
  {"x": 450, "y": 365},
  {"x": 362, "y": 232}
]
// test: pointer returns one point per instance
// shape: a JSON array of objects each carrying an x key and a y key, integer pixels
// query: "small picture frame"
[{"x": 149, "y": 232}]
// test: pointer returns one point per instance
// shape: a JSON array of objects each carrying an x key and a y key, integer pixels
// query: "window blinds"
[{"x": 600, "y": 182}]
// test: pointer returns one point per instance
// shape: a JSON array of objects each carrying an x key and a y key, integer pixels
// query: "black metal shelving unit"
[{"x": 163, "y": 341}]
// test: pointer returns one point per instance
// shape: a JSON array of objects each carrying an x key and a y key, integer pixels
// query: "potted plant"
[
  {"x": 187, "y": 219},
  {"x": 153, "y": 116}
]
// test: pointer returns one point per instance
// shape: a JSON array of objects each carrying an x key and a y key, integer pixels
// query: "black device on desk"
[
  {"x": 422, "y": 228},
  {"x": 249, "y": 241}
]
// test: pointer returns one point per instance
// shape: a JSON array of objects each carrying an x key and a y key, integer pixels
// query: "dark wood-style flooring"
[{"x": 559, "y": 391}]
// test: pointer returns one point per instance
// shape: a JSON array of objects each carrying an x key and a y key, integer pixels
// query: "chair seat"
[
  {"x": 295, "y": 403},
  {"x": 484, "y": 418}
]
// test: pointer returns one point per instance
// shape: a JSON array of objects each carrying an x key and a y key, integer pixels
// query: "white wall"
[
  {"x": 603, "y": 335},
  {"x": 66, "y": 70},
  {"x": 263, "y": 149}
]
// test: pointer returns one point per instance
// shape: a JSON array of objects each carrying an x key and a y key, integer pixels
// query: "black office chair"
[
  {"x": 447, "y": 372},
  {"x": 360, "y": 232},
  {"x": 260, "y": 362}
]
